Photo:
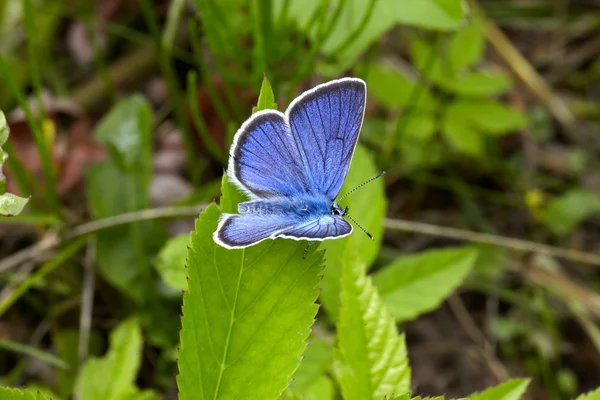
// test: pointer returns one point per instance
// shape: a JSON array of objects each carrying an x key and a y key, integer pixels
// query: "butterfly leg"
[{"x": 306, "y": 249}]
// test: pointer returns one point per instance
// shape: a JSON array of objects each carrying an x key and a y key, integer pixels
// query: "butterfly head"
[{"x": 336, "y": 209}]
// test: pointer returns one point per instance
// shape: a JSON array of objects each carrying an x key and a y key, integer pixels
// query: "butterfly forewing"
[
  {"x": 325, "y": 123},
  {"x": 264, "y": 158}
]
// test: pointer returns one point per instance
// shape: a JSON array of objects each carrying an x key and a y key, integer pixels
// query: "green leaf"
[
  {"x": 564, "y": 213},
  {"x": 370, "y": 359},
  {"x": 266, "y": 98},
  {"x": 120, "y": 185},
  {"x": 170, "y": 262},
  {"x": 127, "y": 132},
  {"x": 392, "y": 87},
  {"x": 433, "y": 14},
  {"x": 113, "y": 376},
  {"x": 290, "y": 394},
  {"x": 246, "y": 313},
  {"x": 10, "y": 204},
  {"x": 467, "y": 46},
  {"x": 462, "y": 136},
  {"x": 592, "y": 395},
  {"x": 367, "y": 206},
  {"x": 511, "y": 390},
  {"x": 419, "y": 127},
  {"x": 310, "y": 379},
  {"x": 321, "y": 389},
  {"x": 482, "y": 83},
  {"x": 489, "y": 116},
  {"x": 416, "y": 284},
  {"x": 21, "y": 394}
]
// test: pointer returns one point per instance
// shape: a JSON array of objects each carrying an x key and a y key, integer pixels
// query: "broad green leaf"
[
  {"x": 367, "y": 206},
  {"x": 291, "y": 394},
  {"x": 392, "y": 87},
  {"x": 467, "y": 46},
  {"x": 370, "y": 361},
  {"x": 432, "y": 14},
  {"x": 366, "y": 27},
  {"x": 562, "y": 214},
  {"x": 126, "y": 132},
  {"x": 489, "y": 116},
  {"x": 266, "y": 98},
  {"x": 10, "y": 204},
  {"x": 22, "y": 394},
  {"x": 309, "y": 379},
  {"x": 321, "y": 389},
  {"x": 419, "y": 127},
  {"x": 416, "y": 284},
  {"x": 511, "y": 390},
  {"x": 462, "y": 136},
  {"x": 593, "y": 395},
  {"x": 113, "y": 376},
  {"x": 482, "y": 83},
  {"x": 246, "y": 313},
  {"x": 170, "y": 262}
]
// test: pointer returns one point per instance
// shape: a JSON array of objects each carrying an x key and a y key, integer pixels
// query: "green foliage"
[
  {"x": 10, "y": 204},
  {"x": 266, "y": 98},
  {"x": 458, "y": 106},
  {"x": 592, "y": 395},
  {"x": 170, "y": 262},
  {"x": 416, "y": 284},
  {"x": 511, "y": 390},
  {"x": 370, "y": 360},
  {"x": 562, "y": 214},
  {"x": 113, "y": 376},
  {"x": 240, "y": 310},
  {"x": 310, "y": 379},
  {"x": 22, "y": 394},
  {"x": 352, "y": 26},
  {"x": 370, "y": 204},
  {"x": 393, "y": 87},
  {"x": 119, "y": 185}
]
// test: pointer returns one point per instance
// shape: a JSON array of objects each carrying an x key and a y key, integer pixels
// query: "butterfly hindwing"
[
  {"x": 236, "y": 231},
  {"x": 324, "y": 227},
  {"x": 264, "y": 159},
  {"x": 325, "y": 123}
]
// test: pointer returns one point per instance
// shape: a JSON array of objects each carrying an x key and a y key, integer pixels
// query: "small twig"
[
  {"x": 87, "y": 301},
  {"x": 510, "y": 243},
  {"x": 135, "y": 216},
  {"x": 52, "y": 240},
  {"x": 46, "y": 243},
  {"x": 470, "y": 327}
]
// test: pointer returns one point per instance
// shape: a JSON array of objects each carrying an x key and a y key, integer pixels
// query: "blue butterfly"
[{"x": 292, "y": 167}]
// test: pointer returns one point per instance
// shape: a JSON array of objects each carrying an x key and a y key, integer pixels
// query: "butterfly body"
[{"x": 293, "y": 165}]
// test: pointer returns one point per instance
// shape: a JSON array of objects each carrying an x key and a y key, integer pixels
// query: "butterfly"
[{"x": 292, "y": 167}]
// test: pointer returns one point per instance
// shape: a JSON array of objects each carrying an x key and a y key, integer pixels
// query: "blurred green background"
[{"x": 485, "y": 115}]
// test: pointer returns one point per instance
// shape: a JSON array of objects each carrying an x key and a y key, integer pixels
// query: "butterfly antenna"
[
  {"x": 361, "y": 185},
  {"x": 357, "y": 224}
]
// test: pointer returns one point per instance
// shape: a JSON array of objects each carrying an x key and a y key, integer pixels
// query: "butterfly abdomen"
[{"x": 297, "y": 207}]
